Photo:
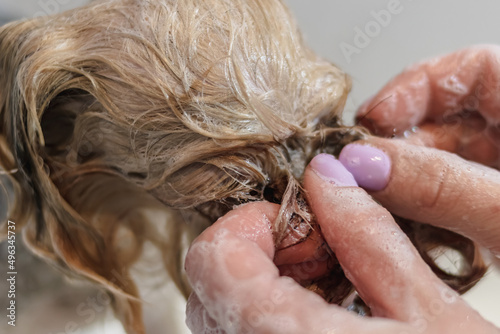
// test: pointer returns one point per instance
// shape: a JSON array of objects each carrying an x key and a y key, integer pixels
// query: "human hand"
[
  {"x": 454, "y": 100},
  {"x": 237, "y": 287}
]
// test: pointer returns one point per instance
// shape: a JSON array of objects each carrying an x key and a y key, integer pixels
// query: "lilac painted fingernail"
[
  {"x": 332, "y": 170},
  {"x": 370, "y": 166}
]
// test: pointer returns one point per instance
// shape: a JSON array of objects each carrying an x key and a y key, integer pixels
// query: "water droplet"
[{"x": 354, "y": 162}]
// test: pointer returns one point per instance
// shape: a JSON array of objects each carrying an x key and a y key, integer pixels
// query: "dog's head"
[{"x": 202, "y": 104}]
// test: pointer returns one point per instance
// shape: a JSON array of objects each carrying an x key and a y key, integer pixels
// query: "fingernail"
[
  {"x": 370, "y": 166},
  {"x": 332, "y": 170}
]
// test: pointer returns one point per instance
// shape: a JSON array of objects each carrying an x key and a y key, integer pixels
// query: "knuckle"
[{"x": 439, "y": 196}]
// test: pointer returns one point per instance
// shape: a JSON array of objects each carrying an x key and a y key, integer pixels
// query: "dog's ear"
[
  {"x": 103, "y": 248},
  {"x": 76, "y": 228},
  {"x": 134, "y": 226},
  {"x": 13, "y": 151}
]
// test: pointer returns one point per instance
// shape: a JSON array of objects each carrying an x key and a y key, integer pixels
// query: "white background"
[{"x": 421, "y": 30}]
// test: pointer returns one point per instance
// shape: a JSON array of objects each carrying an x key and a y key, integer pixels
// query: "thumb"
[{"x": 430, "y": 186}]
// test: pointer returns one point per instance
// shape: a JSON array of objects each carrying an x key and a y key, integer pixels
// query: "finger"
[
  {"x": 231, "y": 271},
  {"x": 375, "y": 254},
  {"x": 472, "y": 140},
  {"x": 437, "y": 90},
  {"x": 198, "y": 320},
  {"x": 313, "y": 248},
  {"x": 308, "y": 270},
  {"x": 430, "y": 186},
  {"x": 305, "y": 260}
]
